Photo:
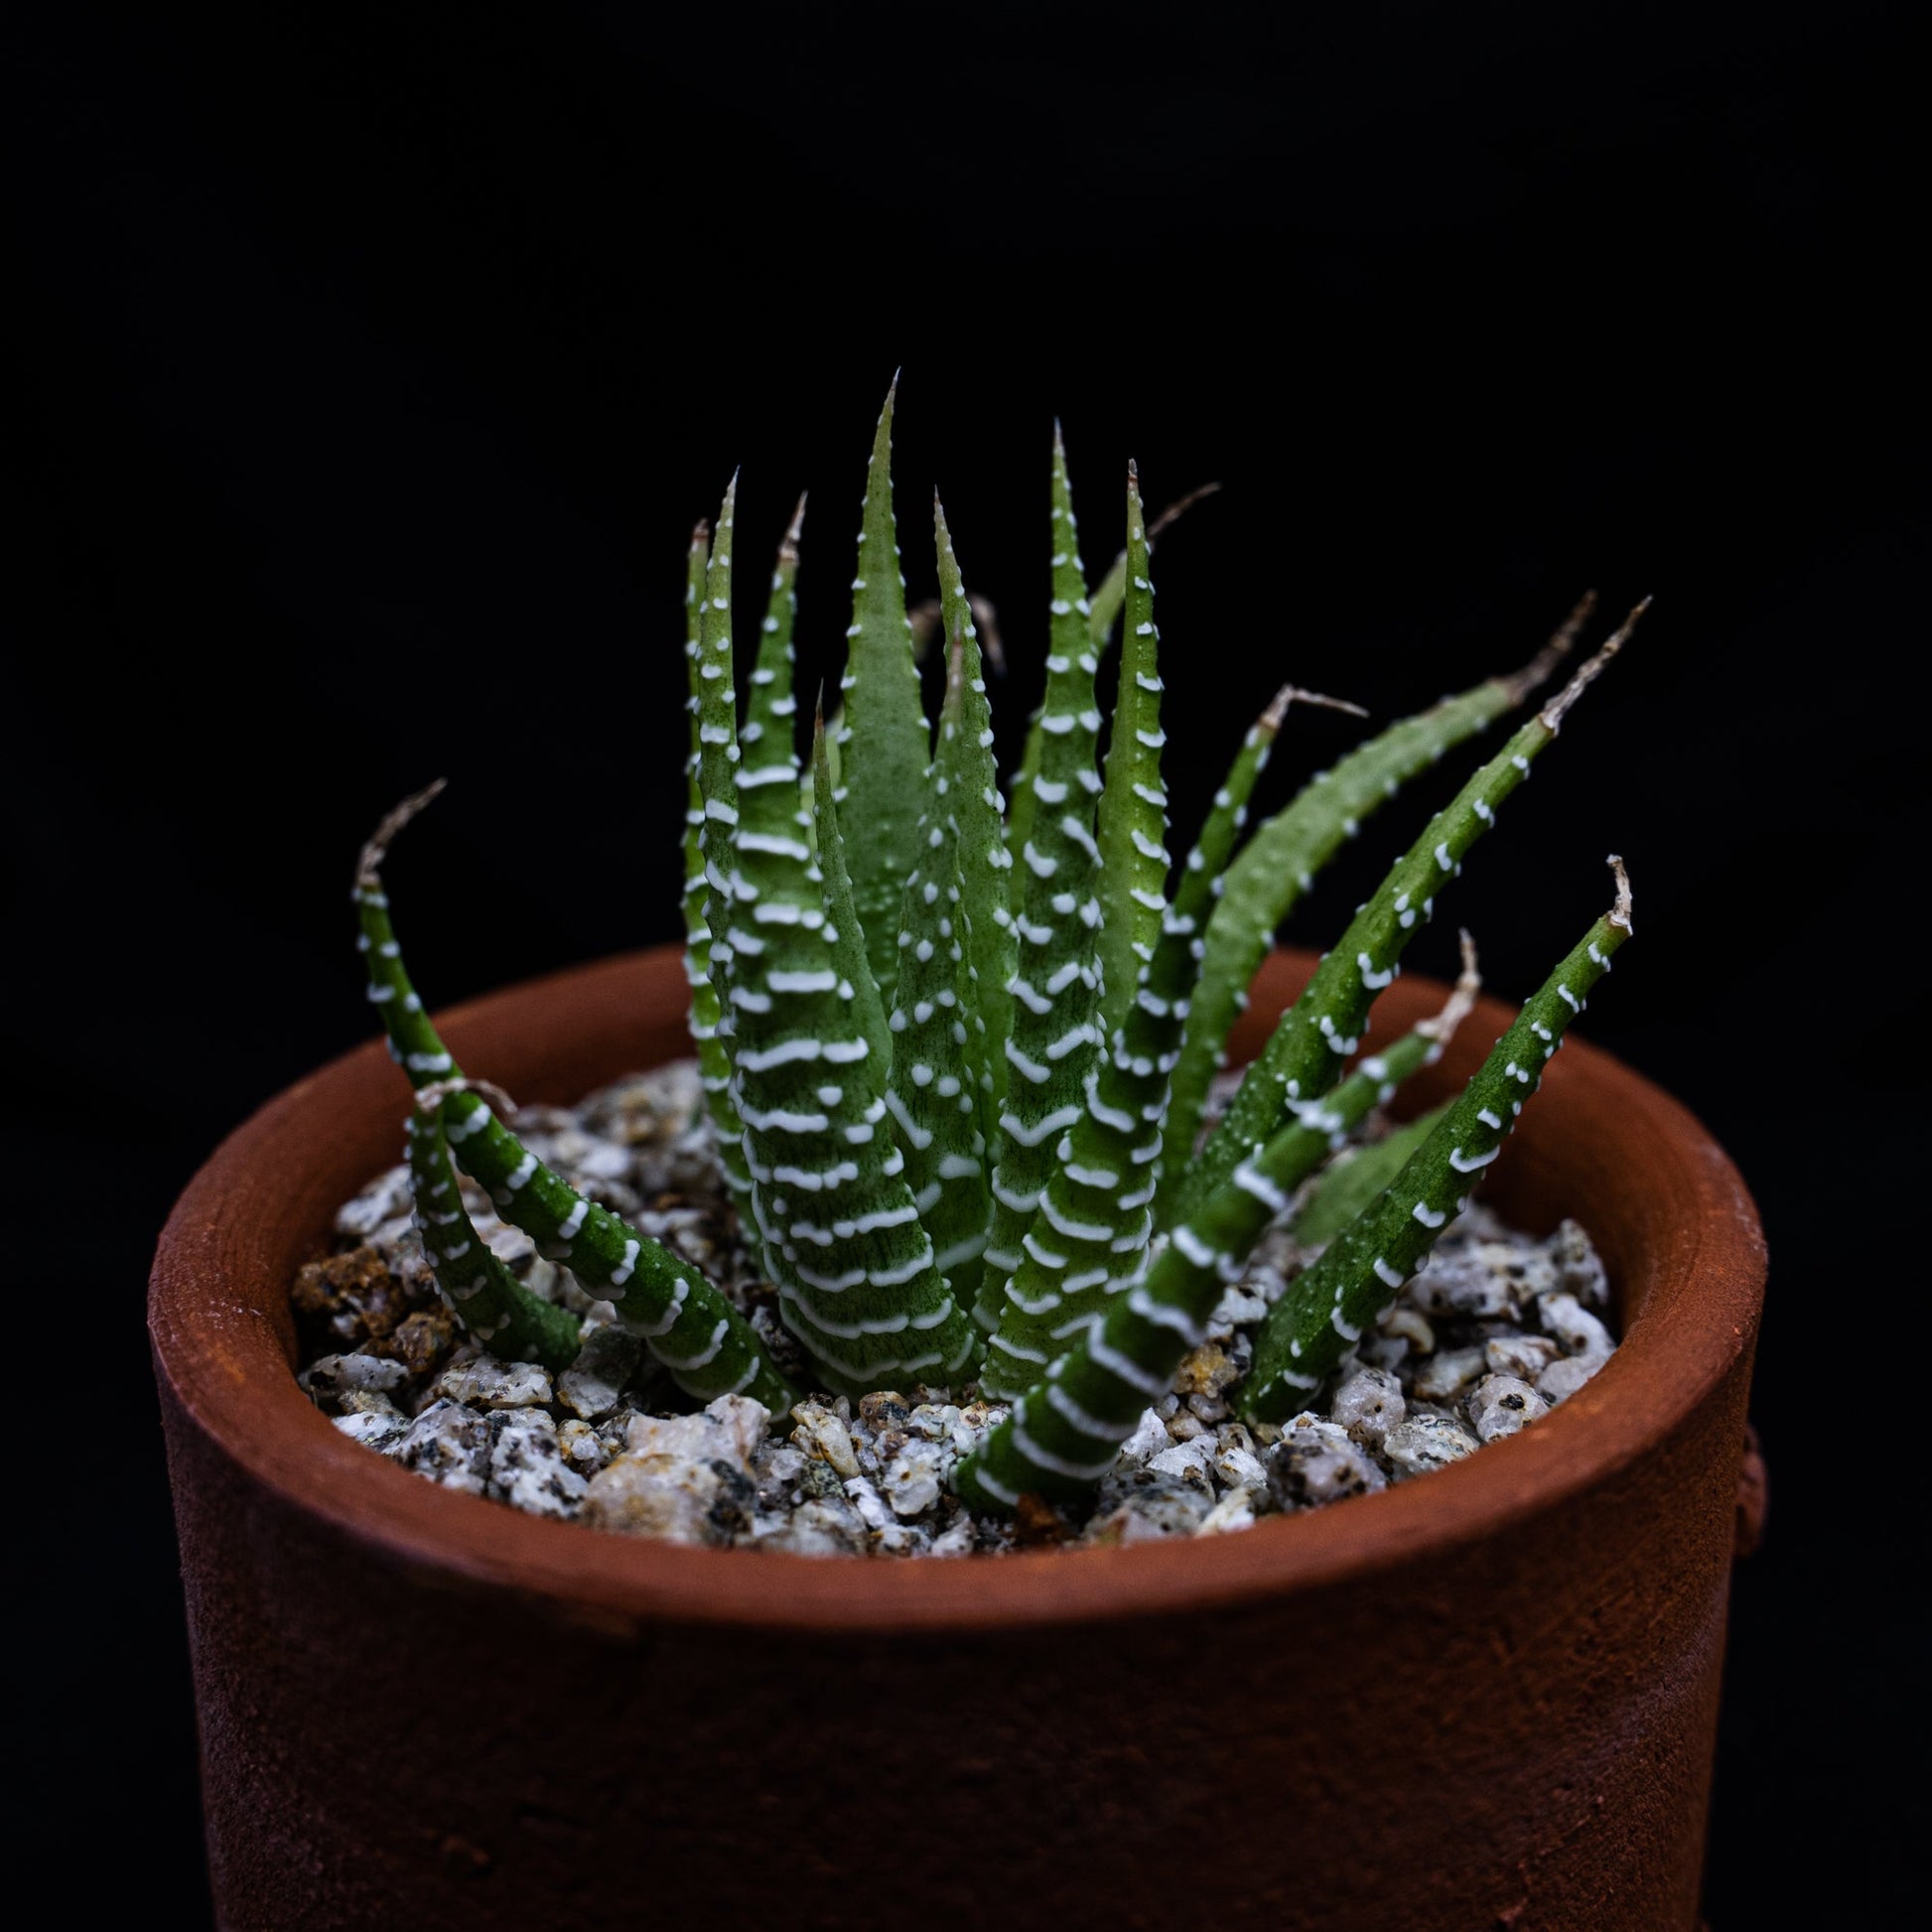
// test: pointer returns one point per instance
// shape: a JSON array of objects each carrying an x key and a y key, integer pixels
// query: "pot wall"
[{"x": 1487, "y": 1698}]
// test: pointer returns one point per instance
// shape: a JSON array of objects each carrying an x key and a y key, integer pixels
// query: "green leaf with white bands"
[
  {"x": 1066, "y": 1430},
  {"x": 715, "y": 695},
  {"x": 1056, "y": 915},
  {"x": 1326, "y": 1308},
  {"x": 1280, "y": 862},
  {"x": 514, "y": 1324},
  {"x": 688, "y": 1326},
  {"x": 706, "y": 1008},
  {"x": 933, "y": 1095},
  {"x": 1089, "y": 1233},
  {"x": 770, "y": 704},
  {"x": 884, "y": 740},
  {"x": 1317, "y": 1035},
  {"x": 985, "y": 864},
  {"x": 1131, "y": 824}
]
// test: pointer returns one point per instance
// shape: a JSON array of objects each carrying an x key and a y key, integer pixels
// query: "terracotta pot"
[{"x": 1484, "y": 1699}]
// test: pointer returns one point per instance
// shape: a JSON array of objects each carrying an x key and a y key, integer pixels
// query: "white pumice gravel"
[
  {"x": 1503, "y": 1404},
  {"x": 1497, "y": 1330}
]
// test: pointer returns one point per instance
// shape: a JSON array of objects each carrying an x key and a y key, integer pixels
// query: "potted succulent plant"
[{"x": 957, "y": 1053}]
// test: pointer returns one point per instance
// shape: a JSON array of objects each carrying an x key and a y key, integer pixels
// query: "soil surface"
[{"x": 1493, "y": 1332}]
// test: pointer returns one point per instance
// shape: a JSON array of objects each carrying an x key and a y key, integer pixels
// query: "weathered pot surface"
[{"x": 1486, "y": 1698}]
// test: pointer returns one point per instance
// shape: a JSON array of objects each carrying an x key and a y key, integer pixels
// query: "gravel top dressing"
[{"x": 1495, "y": 1330}]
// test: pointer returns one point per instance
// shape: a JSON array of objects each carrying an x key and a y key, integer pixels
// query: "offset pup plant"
[{"x": 956, "y": 1048}]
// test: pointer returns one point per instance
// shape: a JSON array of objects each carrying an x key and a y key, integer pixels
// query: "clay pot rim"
[{"x": 217, "y": 1344}]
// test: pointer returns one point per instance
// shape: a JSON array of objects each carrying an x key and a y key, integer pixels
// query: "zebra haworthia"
[{"x": 955, "y": 1055}]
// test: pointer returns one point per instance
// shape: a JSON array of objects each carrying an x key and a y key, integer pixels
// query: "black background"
[{"x": 377, "y": 362}]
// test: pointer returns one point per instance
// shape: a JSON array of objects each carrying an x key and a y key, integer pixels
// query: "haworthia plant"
[
  {"x": 714, "y": 1063},
  {"x": 955, "y": 1057}
]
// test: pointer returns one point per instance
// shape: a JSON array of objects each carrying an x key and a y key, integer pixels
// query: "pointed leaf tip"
[
  {"x": 1620, "y": 912},
  {"x": 384, "y": 834},
  {"x": 1295, "y": 694},
  {"x": 1519, "y": 684},
  {"x": 1179, "y": 508},
  {"x": 1552, "y": 713}
]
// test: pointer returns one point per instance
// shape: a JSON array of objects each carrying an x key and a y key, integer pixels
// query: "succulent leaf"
[
  {"x": 1339, "y": 1193},
  {"x": 714, "y": 1065},
  {"x": 884, "y": 740},
  {"x": 1057, "y": 916},
  {"x": 934, "y": 1090},
  {"x": 514, "y": 1324},
  {"x": 770, "y": 704},
  {"x": 716, "y": 702},
  {"x": 1326, "y": 1308},
  {"x": 965, "y": 757},
  {"x": 1131, "y": 825},
  {"x": 708, "y": 1346}
]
